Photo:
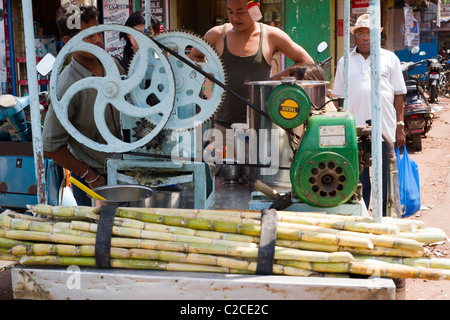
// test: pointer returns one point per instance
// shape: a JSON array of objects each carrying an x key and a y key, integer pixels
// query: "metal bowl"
[{"x": 125, "y": 196}]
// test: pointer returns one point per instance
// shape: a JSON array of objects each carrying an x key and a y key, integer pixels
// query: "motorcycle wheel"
[
  {"x": 433, "y": 93},
  {"x": 417, "y": 141}
]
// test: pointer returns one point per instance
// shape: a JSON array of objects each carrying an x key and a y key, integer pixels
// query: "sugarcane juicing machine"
[
  {"x": 164, "y": 110},
  {"x": 165, "y": 117}
]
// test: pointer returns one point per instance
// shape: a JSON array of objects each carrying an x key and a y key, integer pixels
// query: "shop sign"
[
  {"x": 159, "y": 11},
  {"x": 360, "y": 6},
  {"x": 115, "y": 12},
  {"x": 445, "y": 10},
  {"x": 412, "y": 36}
]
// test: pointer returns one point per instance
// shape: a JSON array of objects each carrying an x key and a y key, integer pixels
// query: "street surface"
[{"x": 434, "y": 174}]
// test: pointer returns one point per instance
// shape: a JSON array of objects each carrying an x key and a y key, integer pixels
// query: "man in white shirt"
[{"x": 392, "y": 90}]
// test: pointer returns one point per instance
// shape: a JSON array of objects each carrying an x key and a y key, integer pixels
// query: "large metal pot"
[
  {"x": 125, "y": 196},
  {"x": 259, "y": 92},
  {"x": 167, "y": 197},
  {"x": 230, "y": 173}
]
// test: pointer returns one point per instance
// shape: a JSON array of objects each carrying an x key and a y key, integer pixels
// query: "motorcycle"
[
  {"x": 434, "y": 77},
  {"x": 417, "y": 114},
  {"x": 444, "y": 79},
  {"x": 321, "y": 48}
]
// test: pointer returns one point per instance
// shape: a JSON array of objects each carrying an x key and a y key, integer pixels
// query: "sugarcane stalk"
[
  {"x": 45, "y": 237},
  {"x": 357, "y": 226},
  {"x": 339, "y": 267},
  {"x": 152, "y": 265},
  {"x": 397, "y": 271},
  {"x": 435, "y": 263},
  {"x": 65, "y": 228},
  {"x": 376, "y": 239},
  {"x": 130, "y": 223},
  {"x": 251, "y": 229},
  {"x": 152, "y": 215},
  {"x": 404, "y": 224},
  {"x": 322, "y": 215},
  {"x": 9, "y": 257},
  {"x": 390, "y": 241},
  {"x": 30, "y": 225},
  {"x": 429, "y": 230},
  {"x": 221, "y": 249},
  {"x": 65, "y": 211},
  {"x": 9, "y": 243},
  {"x": 372, "y": 268},
  {"x": 236, "y": 216},
  {"x": 308, "y": 245},
  {"x": 424, "y": 237},
  {"x": 14, "y": 214},
  {"x": 244, "y": 214},
  {"x": 229, "y": 227},
  {"x": 155, "y": 235},
  {"x": 24, "y": 224},
  {"x": 324, "y": 238},
  {"x": 396, "y": 260},
  {"x": 384, "y": 251},
  {"x": 89, "y": 212},
  {"x": 283, "y": 234},
  {"x": 141, "y": 254}
]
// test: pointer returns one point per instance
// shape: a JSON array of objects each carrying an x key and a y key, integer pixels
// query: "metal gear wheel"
[
  {"x": 143, "y": 127},
  {"x": 192, "y": 106},
  {"x": 113, "y": 90}
]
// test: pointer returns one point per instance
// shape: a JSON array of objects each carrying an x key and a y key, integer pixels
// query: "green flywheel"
[{"x": 288, "y": 106}]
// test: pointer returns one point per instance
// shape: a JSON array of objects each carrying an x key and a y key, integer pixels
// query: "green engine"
[{"x": 325, "y": 171}]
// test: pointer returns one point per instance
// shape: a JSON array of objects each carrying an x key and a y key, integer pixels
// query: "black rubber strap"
[
  {"x": 268, "y": 237},
  {"x": 103, "y": 237}
]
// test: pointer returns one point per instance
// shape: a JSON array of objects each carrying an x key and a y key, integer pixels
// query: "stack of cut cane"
[{"x": 224, "y": 241}]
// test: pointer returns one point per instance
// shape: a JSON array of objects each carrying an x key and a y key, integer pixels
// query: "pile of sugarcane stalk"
[{"x": 224, "y": 241}]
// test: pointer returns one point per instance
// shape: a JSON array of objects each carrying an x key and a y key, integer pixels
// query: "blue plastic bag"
[{"x": 408, "y": 182}]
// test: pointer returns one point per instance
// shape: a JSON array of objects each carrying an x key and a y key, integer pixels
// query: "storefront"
[
  {"x": 13, "y": 74},
  {"x": 444, "y": 30},
  {"x": 307, "y": 22},
  {"x": 197, "y": 16}
]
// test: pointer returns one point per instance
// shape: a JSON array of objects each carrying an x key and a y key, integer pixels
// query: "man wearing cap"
[
  {"x": 246, "y": 48},
  {"x": 392, "y": 90}
]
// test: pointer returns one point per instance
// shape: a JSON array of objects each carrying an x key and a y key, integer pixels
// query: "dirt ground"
[
  {"x": 434, "y": 170},
  {"x": 434, "y": 174}
]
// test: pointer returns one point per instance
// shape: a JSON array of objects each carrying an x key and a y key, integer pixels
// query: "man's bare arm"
[
  {"x": 400, "y": 130},
  {"x": 64, "y": 158},
  {"x": 212, "y": 37},
  {"x": 290, "y": 49}
]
